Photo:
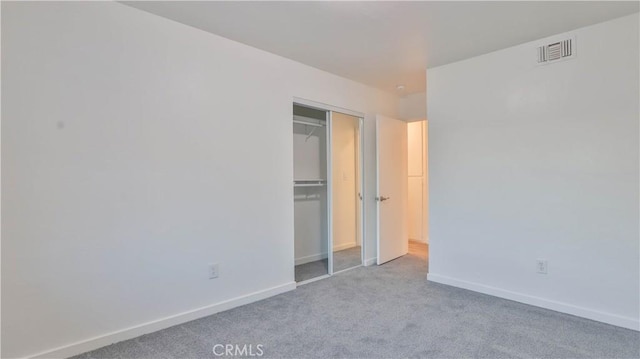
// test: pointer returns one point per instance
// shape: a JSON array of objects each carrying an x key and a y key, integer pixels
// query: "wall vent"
[{"x": 556, "y": 51}]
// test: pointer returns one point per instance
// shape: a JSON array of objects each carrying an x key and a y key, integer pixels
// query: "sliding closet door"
[
  {"x": 330, "y": 190},
  {"x": 327, "y": 191},
  {"x": 345, "y": 191}
]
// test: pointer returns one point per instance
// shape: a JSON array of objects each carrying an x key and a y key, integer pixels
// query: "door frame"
[
  {"x": 360, "y": 160},
  {"x": 329, "y": 138},
  {"x": 377, "y": 193},
  {"x": 360, "y": 157}
]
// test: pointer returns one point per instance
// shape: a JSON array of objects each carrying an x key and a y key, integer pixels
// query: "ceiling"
[{"x": 384, "y": 44}]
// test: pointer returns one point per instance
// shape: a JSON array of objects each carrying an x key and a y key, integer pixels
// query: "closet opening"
[{"x": 328, "y": 186}]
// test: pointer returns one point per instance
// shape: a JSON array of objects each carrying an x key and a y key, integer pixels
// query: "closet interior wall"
[{"x": 310, "y": 193}]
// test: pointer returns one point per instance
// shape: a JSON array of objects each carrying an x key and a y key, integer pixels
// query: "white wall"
[
  {"x": 343, "y": 143},
  {"x": 529, "y": 162},
  {"x": 310, "y": 224},
  {"x": 135, "y": 151},
  {"x": 413, "y": 107},
  {"x": 418, "y": 217}
]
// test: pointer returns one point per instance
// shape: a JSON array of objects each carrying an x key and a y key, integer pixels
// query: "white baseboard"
[
  {"x": 311, "y": 258},
  {"x": 613, "y": 319},
  {"x": 418, "y": 240},
  {"x": 162, "y": 323},
  {"x": 319, "y": 256},
  {"x": 344, "y": 246},
  {"x": 370, "y": 261},
  {"x": 312, "y": 280}
]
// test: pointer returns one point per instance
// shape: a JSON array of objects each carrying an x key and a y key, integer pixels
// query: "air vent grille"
[{"x": 555, "y": 51}]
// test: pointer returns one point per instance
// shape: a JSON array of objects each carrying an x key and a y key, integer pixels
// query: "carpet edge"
[
  {"x": 608, "y": 318},
  {"x": 100, "y": 341}
]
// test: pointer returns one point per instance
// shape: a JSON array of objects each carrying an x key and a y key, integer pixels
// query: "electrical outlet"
[
  {"x": 541, "y": 266},
  {"x": 214, "y": 270}
]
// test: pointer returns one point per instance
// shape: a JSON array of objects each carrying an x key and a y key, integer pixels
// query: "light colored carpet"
[
  {"x": 311, "y": 270},
  {"x": 387, "y": 311},
  {"x": 347, "y": 258}
]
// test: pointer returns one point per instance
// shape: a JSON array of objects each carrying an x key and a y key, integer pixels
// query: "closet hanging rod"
[
  {"x": 308, "y": 185},
  {"x": 316, "y": 120},
  {"x": 308, "y": 123}
]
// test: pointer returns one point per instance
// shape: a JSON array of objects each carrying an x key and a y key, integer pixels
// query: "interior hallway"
[
  {"x": 382, "y": 312},
  {"x": 419, "y": 249}
]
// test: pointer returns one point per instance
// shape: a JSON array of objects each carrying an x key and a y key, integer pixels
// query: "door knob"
[{"x": 382, "y": 198}]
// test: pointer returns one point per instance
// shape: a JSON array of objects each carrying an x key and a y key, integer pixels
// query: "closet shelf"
[{"x": 309, "y": 183}]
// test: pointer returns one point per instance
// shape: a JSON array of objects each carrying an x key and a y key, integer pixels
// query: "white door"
[{"x": 391, "y": 198}]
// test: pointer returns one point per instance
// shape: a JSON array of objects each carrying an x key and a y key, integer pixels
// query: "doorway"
[
  {"x": 418, "y": 189},
  {"x": 402, "y": 193}
]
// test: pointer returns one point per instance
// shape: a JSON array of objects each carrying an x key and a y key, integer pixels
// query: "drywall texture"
[
  {"x": 532, "y": 162},
  {"x": 413, "y": 107},
  {"x": 418, "y": 215},
  {"x": 135, "y": 151}
]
